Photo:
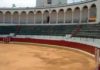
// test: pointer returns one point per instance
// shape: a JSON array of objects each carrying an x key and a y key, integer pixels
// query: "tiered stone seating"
[
  {"x": 7, "y": 30},
  {"x": 51, "y": 30},
  {"x": 89, "y": 30},
  {"x": 86, "y": 30}
]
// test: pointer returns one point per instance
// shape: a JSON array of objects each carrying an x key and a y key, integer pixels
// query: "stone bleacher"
[
  {"x": 83, "y": 30},
  {"x": 51, "y": 30},
  {"x": 88, "y": 31}
]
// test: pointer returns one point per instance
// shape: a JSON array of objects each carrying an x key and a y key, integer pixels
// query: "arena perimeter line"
[{"x": 54, "y": 46}]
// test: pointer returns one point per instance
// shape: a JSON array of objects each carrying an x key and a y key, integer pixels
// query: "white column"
[
  {"x": 19, "y": 20},
  {"x": 26, "y": 18},
  {"x": 42, "y": 18},
  {"x": 98, "y": 11},
  {"x": 49, "y": 17},
  {"x": 97, "y": 56},
  {"x": 57, "y": 18},
  {"x": 88, "y": 15},
  {"x": 64, "y": 17},
  {"x": 80, "y": 16},
  {"x": 11, "y": 18},
  {"x": 72, "y": 17},
  {"x": 34, "y": 17}
]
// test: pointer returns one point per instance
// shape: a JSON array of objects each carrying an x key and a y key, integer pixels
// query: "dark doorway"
[{"x": 48, "y": 19}]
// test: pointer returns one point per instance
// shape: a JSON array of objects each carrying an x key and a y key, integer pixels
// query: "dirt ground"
[{"x": 43, "y": 57}]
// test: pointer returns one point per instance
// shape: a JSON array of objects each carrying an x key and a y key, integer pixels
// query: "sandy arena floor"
[{"x": 43, "y": 57}]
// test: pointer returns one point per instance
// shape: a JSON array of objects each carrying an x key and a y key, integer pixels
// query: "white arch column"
[
  {"x": 50, "y": 16},
  {"x": 42, "y": 17},
  {"x": 88, "y": 15},
  {"x": 98, "y": 11},
  {"x": 97, "y": 56},
  {"x": 19, "y": 19},
  {"x": 64, "y": 16},
  {"x": 72, "y": 16},
  {"x": 26, "y": 17},
  {"x": 57, "y": 17},
  {"x": 80, "y": 16},
  {"x": 34, "y": 17}
]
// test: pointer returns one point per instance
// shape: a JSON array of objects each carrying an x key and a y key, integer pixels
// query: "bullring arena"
[
  {"x": 54, "y": 35},
  {"x": 25, "y": 56}
]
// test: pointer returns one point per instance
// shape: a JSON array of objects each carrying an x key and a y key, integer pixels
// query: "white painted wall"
[
  {"x": 98, "y": 11},
  {"x": 54, "y": 2}
]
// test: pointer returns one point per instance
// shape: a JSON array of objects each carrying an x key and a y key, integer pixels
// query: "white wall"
[
  {"x": 39, "y": 3},
  {"x": 54, "y": 2}
]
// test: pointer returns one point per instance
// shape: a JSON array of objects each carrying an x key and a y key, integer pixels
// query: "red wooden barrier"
[{"x": 84, "y": 47}]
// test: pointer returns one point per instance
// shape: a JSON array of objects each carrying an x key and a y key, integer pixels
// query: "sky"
[
  {"x": 21, "y": 3},
  {"x": 18, "y": 3}
]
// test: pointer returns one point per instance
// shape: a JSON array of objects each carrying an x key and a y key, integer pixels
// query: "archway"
[
  {"x": 16, "y": 17},
  {"x": 38, "y": 17},
  {"x": 68, "y": 16},
  {"x": 23, "y": 17},
  {"x": 93, "y": 12},
  {"x": 61, "y": 16},
  {"x": 53, "y": 16},
  {"x": 31, "y": 17},
  {"x": 8, "y": 17},
  {"x": 76, "y": 15},
  {"x": 84, "y": 14},
  {"x": 46, "y": 17}
]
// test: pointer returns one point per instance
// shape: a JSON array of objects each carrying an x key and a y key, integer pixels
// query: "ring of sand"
[{"x": 43, "y": 57}]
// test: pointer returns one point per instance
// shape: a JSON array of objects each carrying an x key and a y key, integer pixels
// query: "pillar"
[
  {"x": 80, "y": 16},
  {"x": 72, "y": 17},
  {"x": 64, "y": 17},
  {"x": 42, "y": 18},
  {"x": 98, "y": 11},
  {"x": 97, "y": 56},
  {"x": 19, "y": 19},
  {"x": 57, "y": 18},
  {"x": 49, "y": 17},
  {"x": 26, "y": 18},
  {"x": 34, "y": 17},
  {"x": 88, "y": 15},
  {"x": 11, "y": 18}
]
